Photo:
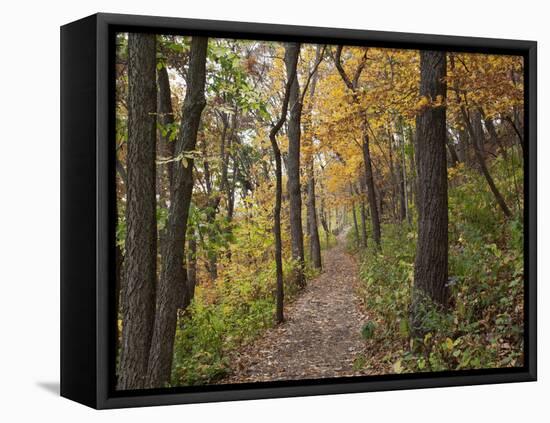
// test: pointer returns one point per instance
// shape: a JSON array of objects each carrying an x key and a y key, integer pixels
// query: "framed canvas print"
[{"x": 255, "y": 211}]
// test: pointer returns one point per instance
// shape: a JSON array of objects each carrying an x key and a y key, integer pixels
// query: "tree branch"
[{"x": 315, "y": 66}]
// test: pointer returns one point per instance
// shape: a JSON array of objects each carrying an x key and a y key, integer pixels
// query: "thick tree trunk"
[
  {"x": 292, "y": 50},
  {"x": 431, "y": 263},
  {"x": 173, "y": 276},
  {"x": 138, "y": 286},
  {"x": 371, "y": 194}
]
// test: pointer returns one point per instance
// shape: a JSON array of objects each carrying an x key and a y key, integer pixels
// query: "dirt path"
[{"x": 321, "y": 335}]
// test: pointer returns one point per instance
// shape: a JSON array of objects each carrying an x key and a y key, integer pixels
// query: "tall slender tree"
[
  {"x": 140, "y": 273},
  {"x": 165, "y": 120},
  {"x": 313, "y": 229},
  {"x": 431, "y": 262},
  {"x": 293, "y": 167},
  {"x": 475, "y": 130},
  {"x": 173, "y": 276},
  {"x": 291, "y": 60},
  {"x": 353, "y": 86}
]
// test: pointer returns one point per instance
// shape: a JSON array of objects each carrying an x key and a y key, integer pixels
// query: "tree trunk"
[
  {"x": 475, "y": 131},
  {"x": 291, "y": 63},
  {"x": 355, "y": 225},
  {"x": 324, "y": 222},
  {"x": 452, "y": 153},
  {"x": 173, "y": 275},
  {"x": 413, "y": 167},
  {"x": 431, "y": 263},
  {"x": 363, "y": 225},
  {"x": 404, "y": 178},
  {"x": 279, "y": 313},
  {"x": 490, "y": 125},
  {"x": 191, "y": 269},
  {"x": 165, "y": 119},
  {"x": 395, "y": 179},
  {"x": 371, "y": 194},
  {"x": 292, "y": 50},
  {"x": 353, "y": 85},
  {"x": 140, "y": 273},
  {"x": 119, "y": 263},
  {"x": 313, "y": 226},
  {"x": 315, "y": 245},
  {"x": 400, "y": 171},
  {"x": 354, "y": 214},
  {"x": 462, "y": 146}
]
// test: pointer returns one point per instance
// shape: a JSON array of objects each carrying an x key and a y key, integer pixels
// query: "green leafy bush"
[{"x": 484, "y": 326}]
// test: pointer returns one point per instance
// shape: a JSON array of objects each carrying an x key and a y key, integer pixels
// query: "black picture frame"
[{"x": 88, "y": 220}]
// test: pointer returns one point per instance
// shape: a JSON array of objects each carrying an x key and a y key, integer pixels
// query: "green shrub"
[{"x": 484, "y": 326}]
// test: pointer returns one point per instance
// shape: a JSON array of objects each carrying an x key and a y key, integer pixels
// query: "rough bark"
[
  {"x": 291, "y": 62},
  {"x": 119, "y": 263},
  {"x": 173, "y": 275},
  {"x": 138, "y": 286},
  {"x": 292, "y": 50},
  {"x": 431, "y": 262}
]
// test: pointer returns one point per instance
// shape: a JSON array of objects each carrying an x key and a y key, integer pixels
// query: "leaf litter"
[{"x": 321, "y": 335}]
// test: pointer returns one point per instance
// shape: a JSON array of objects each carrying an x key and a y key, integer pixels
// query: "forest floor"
[{"x": 321, "y": 335}]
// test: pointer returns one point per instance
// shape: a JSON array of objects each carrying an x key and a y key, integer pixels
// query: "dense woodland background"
[{"x": 239, "y": 161}]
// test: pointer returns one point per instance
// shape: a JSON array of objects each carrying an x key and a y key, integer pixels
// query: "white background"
[{"x": 29, "y": 231}]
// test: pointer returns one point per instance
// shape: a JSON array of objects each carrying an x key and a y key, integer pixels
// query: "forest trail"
[{"x": 321, "y": 336}]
